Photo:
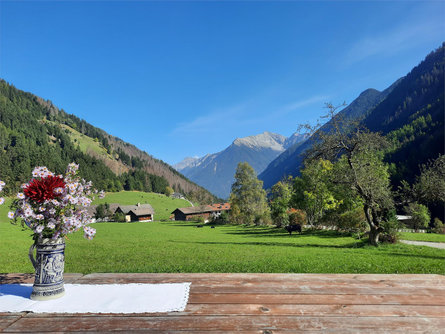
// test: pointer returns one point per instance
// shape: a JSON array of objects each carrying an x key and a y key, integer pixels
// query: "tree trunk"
[
  {"x": 374, "y": 229},
  {"x": 374, "y": 234}
]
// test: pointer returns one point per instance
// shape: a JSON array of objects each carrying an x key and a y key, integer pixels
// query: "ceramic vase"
[{"x": 48, "y": 264}]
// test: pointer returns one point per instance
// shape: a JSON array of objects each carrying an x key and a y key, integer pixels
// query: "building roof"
[
  {"x": 143, "y": 211},
  {"x": 221, "y": 206},
  {"x": 402, "y": 217},
  {"x": 204, "y": 208},
  {"x": 195, "y": 209},
  {"x": 138, "y": 209}
]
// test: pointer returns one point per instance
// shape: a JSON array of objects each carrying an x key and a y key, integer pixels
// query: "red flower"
[{"x": 41, "y": 190}]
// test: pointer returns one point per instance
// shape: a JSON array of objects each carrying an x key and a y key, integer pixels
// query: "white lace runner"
[{"x": 103, "y": 298}]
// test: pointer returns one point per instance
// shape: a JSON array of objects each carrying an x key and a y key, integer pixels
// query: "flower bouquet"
[{"x": 53, "y": 206}]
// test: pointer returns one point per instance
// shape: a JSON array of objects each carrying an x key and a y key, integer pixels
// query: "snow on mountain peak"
[{"x": 264, "y": 140}]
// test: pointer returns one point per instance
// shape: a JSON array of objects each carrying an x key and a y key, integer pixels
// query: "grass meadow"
[
  {"x": 182, "y": 247},
  {"x": 162, "y": 204},
  {"x": 431, "y": 237}
]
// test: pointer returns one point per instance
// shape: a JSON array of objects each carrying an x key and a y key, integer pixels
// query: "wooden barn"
[
  {"x": 204, "y": 211},
  {"x": 138, "y": 212},
  {"x": 193, "y": 212}
]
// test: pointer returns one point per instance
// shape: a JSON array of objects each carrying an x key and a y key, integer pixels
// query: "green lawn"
[
  {"x": 182, "y": 247},
  {"x": 162, "y": 204},
  {"x": 433, "y": 237}
]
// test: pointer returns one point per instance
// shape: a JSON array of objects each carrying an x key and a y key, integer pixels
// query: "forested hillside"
[
  {"x": 412, "y": 117},
  {"x": 34, "y": 132},
  {"x": 410, "y": 113}
]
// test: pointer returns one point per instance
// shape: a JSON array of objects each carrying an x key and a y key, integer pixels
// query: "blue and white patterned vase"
[{"x": 48, "y": 264}]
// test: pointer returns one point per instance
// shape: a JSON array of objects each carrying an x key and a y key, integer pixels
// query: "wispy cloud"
[
  {"x": 392, "y": 42},
  {"x": 216, "y": 119},
  {"x": 246, "y": 114},
  {"x": 304, "y": 103}
]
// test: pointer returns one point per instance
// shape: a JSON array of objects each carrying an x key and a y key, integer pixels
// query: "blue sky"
[{"x": 184, "y": 78}]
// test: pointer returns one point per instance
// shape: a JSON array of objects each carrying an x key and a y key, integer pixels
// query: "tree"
[
  {"x": 311, "y": 191},
  {"x": 420, "y": 216},
  {"x": 248, "y": 198},
  {"x": 359, "y": 166},
  {"x": 297, "y": 217},
  {"x": 430, "y": 185},
  {"x": 279, "y": 204},
  {"x": 428, "y": 189},
  {"x": 169, "y": 191}
]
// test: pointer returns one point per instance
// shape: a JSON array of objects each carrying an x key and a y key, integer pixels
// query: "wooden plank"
[
  {"x": 6, "y": 320},
  {"x": 379, "y": 284},
  {"x": 218, "y": 277},
  {"x": 29, "y": 278},
  {"x": 286, "y": 287},
  {"x": 225, "y": 323},
  {"x": 316, "y": 310},
  {"x": 271, "y": 275},
  {"x": 311, "y": 289},
  {"x": 345, "y": 279},
  {"x": 263, "y": 303},
  {"x": 327, "y": 299},
  {"x": 286, "y": 309}
]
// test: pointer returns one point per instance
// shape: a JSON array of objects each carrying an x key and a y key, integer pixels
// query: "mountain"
[
  {"x": 289, "y": 162},
  {"x": 215, "y": 171},
  {"x": 412, "y": 117},
  {"x": 410, "y": 113},
  {"x": 187, "y": 162},
  {"x": 34, "y": 132}
]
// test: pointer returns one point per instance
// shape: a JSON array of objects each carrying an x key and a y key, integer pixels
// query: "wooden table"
[{"x": 262, "y": 303}]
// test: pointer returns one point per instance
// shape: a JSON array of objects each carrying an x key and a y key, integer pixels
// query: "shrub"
[
  {"x": 420, "y": 215},
  {"x": 223, "y": 218},
  {"x": 438, "y": 226},
  {"x": 119, "y": 217},
  {"x": 102, "y": 211},
  {"x": 297, "y": 217},
  {"x": 263, "y": 219},
  {"x": 352, "y": 221},
  {"x": 390, "y": 230},
  {"x": 200, "y": 220}
]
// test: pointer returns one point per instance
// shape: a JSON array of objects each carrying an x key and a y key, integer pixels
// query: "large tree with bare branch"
[{"x": 359, "y": 165}]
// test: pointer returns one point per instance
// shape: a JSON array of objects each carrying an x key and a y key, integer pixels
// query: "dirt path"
[{"x": 440, "y": 245}]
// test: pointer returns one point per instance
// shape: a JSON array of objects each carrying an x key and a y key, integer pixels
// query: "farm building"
[
  {"x": 205, "y": 211},
  {"x": 220, "y": 208},
  {"x": 138, "y": 212}
]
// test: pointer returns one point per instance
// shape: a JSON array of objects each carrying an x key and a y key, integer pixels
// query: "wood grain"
[{"x": 262, "y": 303}]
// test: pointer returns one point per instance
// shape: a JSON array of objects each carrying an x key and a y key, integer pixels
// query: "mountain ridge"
[
  {"x": 410, "y": 112},
  {"x": 215, "y": 171},
  {"x": 289, "y": 162},
  {"x": 33, "y": 131}
]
